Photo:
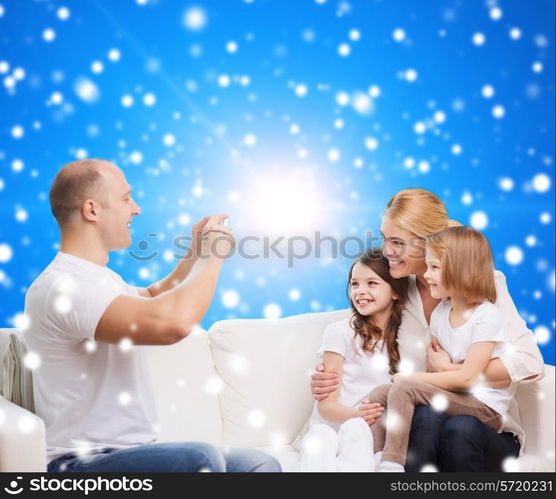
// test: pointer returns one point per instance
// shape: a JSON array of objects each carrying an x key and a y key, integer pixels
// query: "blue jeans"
[
  {"x": 457, "y": 443},
  {"x": 167, "y": 457}
]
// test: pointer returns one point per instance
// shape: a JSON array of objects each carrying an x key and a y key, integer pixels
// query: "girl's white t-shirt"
[
  {"x": 362, "y": 370},
  {"x": 485, "y": 324}
]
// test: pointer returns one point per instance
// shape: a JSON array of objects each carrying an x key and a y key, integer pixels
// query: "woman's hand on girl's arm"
[
  {"x": 370, "y": 412},
  {"x": 323, "y": 383}
]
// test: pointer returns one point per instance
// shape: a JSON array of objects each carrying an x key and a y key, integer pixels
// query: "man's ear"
[{"x": 89, "y": 210}]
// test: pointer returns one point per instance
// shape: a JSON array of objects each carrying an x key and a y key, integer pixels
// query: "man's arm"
[
  {"x": 172, "y": 315},
  {"x": 184, "y": 266}
]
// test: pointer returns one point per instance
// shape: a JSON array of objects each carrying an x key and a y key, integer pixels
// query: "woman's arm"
[
  {"x": 330, "y": 408},
  {"x": 523, "y": 361},
  {"x": 461, "y": 379}
]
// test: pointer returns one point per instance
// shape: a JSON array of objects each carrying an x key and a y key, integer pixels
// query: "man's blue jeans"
[
  {"x": 167, "y": 457},
  {"x": 457, "y": 443}
]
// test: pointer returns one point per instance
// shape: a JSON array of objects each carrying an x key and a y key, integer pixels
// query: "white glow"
[
  {"x": 149, "y": 99},
  {"x": 214, "y": 385},
  {"x": 510, "y": 464},
  {"x": 498, "y": 111},
  {"x": 239, "y": 364},
  {"x": 63, "y": 304},
  {"x": 124, "y": 398},
  {"x": 439, "y": 402},
  {"x": 541, "y": 182},
  {"x": 312, "y": 445},
  {"x": 478, "y": 220},
  {"x": 406, "y": 366},
  {"x": 272, "y": 311},
  {"x": 32, "y": 361},
  {"x": 86, "y": 90},
  {"x": 506, "y": 184},
  {"x": 6, "y": 253},
  {"x": 256, "y": 418},
  {"x": 126, "y": 344},
  {"x": 393, "y": 422},
  {"x": 513, "y": 255},
  {"x": 195, "y": 19},
  {"x": 26, "y": 424},
  {"x": 90, "y": 346},
  {"x": 230, "y": 298},
  {"x": 289, "y": 203},
  {"x": 21, "y": 321},
  {"x": 398, "y": 35}
]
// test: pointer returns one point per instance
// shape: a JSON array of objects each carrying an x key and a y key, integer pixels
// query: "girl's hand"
[
  {"x": 438, "y": 359},
  {"x": 370, "y": 412},
  {"x": 322, "y": 384}
]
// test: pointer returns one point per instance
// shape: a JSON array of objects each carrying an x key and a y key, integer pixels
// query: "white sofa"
[{"x": 246, "y": 383}]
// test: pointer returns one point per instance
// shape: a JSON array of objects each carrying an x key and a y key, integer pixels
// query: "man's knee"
[
  {"x": 425, "y": 418},
  {"x": 249, "y": 461},
  {"x": 464, "y": 428},
  {"x": 205, "y": 457}
]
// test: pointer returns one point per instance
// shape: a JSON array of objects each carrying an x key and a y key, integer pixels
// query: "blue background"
[{"x": 210, "y": 167}]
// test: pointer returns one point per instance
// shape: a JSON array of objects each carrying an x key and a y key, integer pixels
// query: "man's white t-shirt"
[
  {"x": 89, "y": 394},
  {"x": 362, "y": 370},
  {"x": 485, "y": 324}
]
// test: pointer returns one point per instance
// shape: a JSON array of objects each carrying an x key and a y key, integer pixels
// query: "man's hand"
[
  {"x": 196, "y": 235},
  {"x": 370, "y": 412},
  {"x": 323, "y": 383},
  {"x": 438, "y": 359},
  {"x": 217, "y": 240}
]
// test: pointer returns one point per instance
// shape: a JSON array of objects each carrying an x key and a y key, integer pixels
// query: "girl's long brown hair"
[{"x": 364, "y": 326}]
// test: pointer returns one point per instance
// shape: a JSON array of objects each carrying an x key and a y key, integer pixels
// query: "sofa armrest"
[{"x": 22, "y": 439}]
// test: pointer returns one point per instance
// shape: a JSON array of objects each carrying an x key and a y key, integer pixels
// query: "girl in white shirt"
[
  {"x": 468, "y": 326},
  {"x": 363, "y": 351}
]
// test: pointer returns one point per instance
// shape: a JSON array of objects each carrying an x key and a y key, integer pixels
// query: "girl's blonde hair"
[
  {"x": 364, "y": 326},
  {"x": 418, "y": 211},
  {"x": 466, "y": 262}
]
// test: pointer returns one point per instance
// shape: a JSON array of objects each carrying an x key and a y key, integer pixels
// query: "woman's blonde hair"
[
  {"x": 418, "y": 211},
  {"x": 466, "y": 262}
]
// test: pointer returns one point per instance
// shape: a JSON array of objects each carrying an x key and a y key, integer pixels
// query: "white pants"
[{"x": 349, "y": 449}]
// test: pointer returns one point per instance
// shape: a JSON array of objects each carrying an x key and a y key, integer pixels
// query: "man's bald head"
[{"x": 76, "y": 182}]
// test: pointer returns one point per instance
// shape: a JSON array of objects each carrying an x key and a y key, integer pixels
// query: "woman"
[{"x": 459, "y": 443}]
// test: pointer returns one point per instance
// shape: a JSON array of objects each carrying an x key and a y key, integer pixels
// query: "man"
[{"x": 93, "y": 395}]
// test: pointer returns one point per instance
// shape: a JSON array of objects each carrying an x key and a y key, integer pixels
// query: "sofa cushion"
[
  {"x": 17, "y": 378},
  {"x": 265, "y": 365}
]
